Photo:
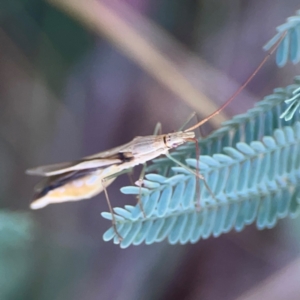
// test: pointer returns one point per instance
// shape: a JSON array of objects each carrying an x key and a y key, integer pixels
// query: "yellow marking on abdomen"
[{"x": 83, "y": 188}]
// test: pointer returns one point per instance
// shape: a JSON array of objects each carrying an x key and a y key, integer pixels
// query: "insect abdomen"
[{"x": 73, "y": 190}]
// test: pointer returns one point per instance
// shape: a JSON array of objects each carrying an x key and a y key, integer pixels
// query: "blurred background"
[{"x": 78, "y": 77}]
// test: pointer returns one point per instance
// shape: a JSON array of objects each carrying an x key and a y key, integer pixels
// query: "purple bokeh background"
[{"x": 105, "y": 101}]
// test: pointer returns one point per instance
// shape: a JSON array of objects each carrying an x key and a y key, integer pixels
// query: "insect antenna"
[{"x": 241, "y": 87}]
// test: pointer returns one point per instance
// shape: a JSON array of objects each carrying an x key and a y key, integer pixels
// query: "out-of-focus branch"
[
  {"x": 281, "y": 286},
  {"x": 102, "y": 19}
]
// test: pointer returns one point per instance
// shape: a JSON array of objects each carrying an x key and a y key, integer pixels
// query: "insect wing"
[
  {"x": 57, "y": 169},
  {"x": 111, "y": 152},
  {"x": 72, "y": 186}
]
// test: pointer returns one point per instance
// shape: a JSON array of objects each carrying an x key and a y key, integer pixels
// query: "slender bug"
[{"x": 91, "y": 175}]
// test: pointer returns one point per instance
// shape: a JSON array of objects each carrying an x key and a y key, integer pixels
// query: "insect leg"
[
  {"x": 201, "y": 134},
  {"x": 130, "y": 176},
  {"x": 140, "y": 183},
  {"x": 108, "y": 201},
  {"x": 193, "y": 172},
  {"x": 157, "y": 129},
  {"x": 191, "y": 116},
  {"x": 197, "y": 152},
  {"x": 111, "y": 210}
]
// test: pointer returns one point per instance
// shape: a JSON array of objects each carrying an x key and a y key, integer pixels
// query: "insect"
[{"x": 91, "y": 175}]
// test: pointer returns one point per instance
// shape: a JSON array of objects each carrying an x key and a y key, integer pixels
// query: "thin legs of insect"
[
  {"x": 197, "y": 174},
  {"x": 140, "y": 183},
  {"x": 197, "y": 154},
  {"x": 111, "y": 211},
  {"x": 200, "y": 131},
  {"x": 191, "y": 116},
  {"x": 157, "y": 130},
  {"x": 198, "y": 166},
  {"x": 130, "y": 176}
]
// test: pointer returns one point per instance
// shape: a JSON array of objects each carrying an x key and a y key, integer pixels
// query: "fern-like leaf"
[
  {"x": 258, "y": 122},
  {"x": 247, "y": 184},
  {"x": 289, "y": 48},
  {"x": 254, "y": 181},
  {"x": 294, "y": 104}
]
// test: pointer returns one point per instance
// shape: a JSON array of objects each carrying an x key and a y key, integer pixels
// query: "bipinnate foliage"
[
  {"x": 252, "y": 166},
  {"x": 294, "y": 104},
  {"x": 289, "y": 48}
]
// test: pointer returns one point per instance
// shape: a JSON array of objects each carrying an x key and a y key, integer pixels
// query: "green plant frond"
[
  {"x": 294, "y": 104},
  {"x": 258, "y": 122},
  {"x": 254, "y": 182},
  {"x": 289, "y": 48}
]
